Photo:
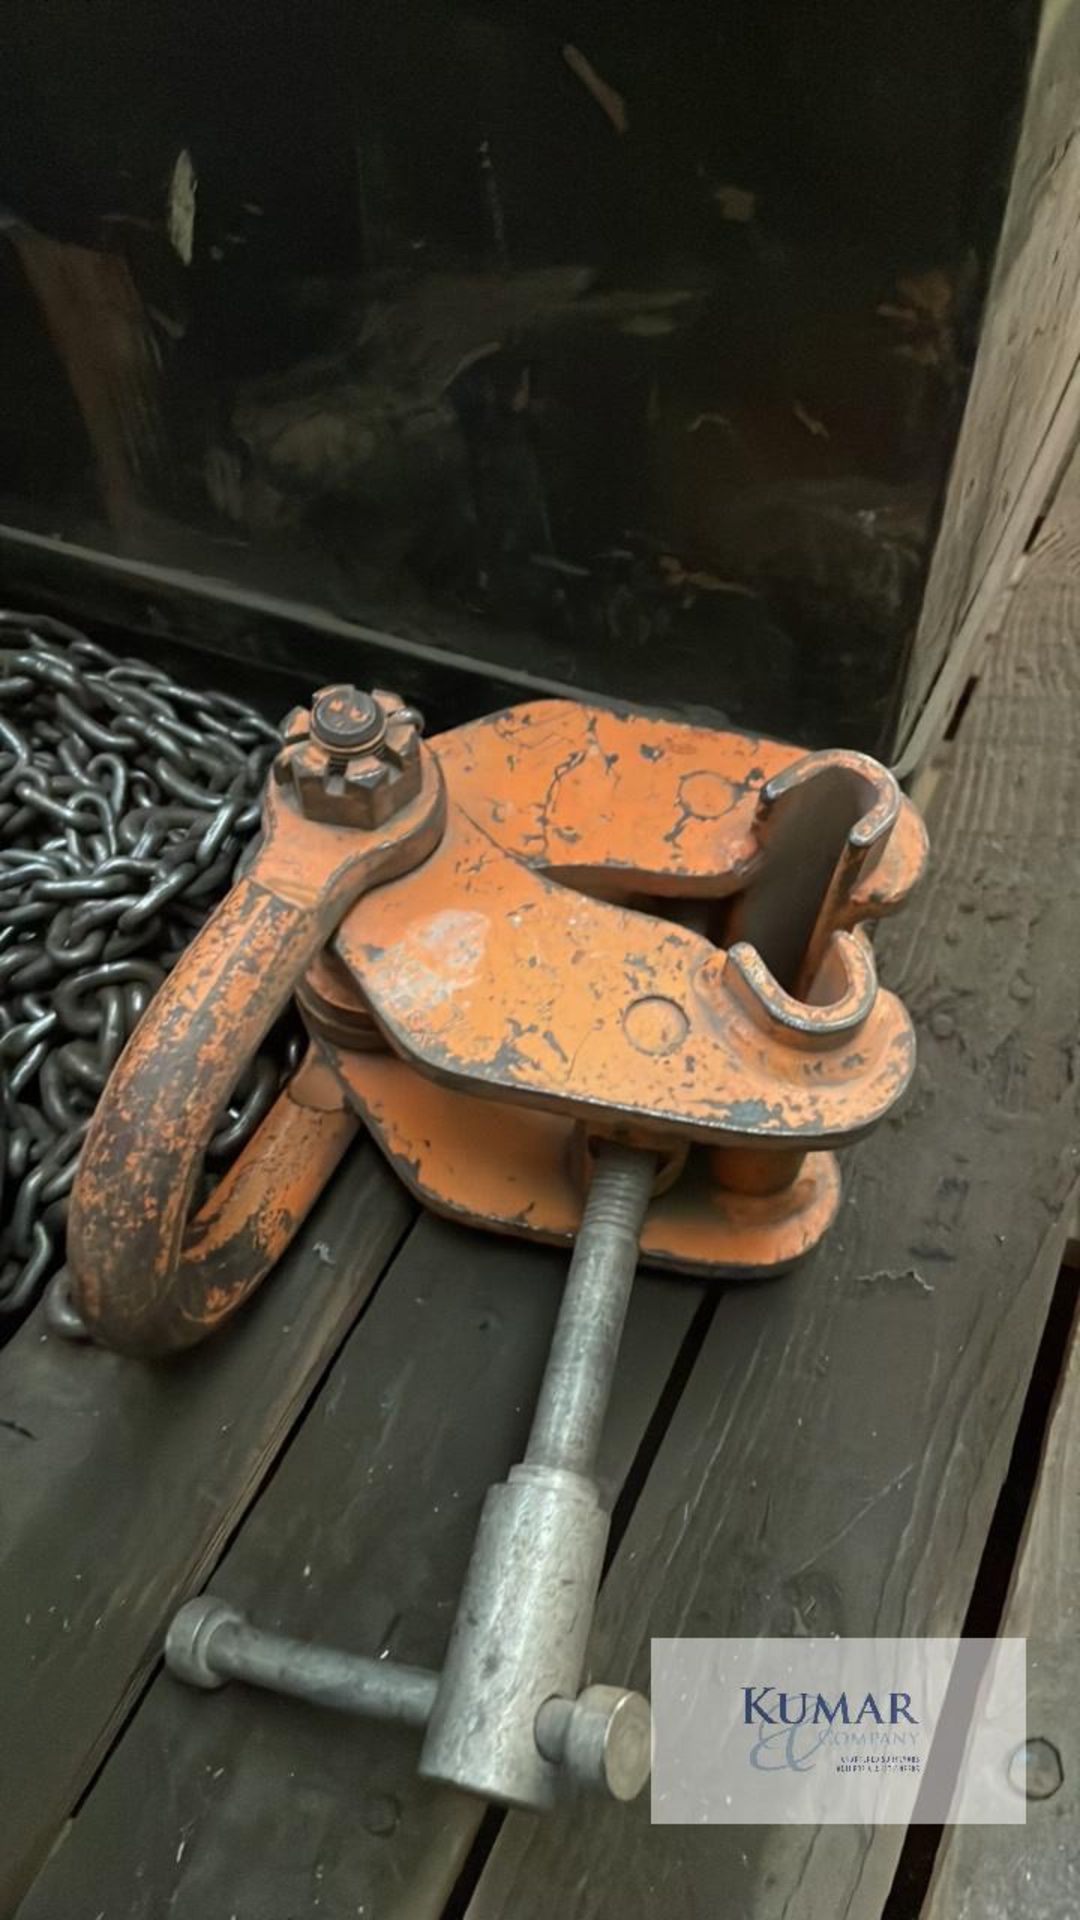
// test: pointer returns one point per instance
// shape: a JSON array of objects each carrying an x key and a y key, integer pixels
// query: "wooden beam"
[
  {"x": 122, "y": 1483},
  {"x": 1023, "y": 407},
  {"x": 984, "y": 1873}
]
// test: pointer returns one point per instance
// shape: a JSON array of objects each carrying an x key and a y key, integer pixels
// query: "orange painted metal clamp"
[
  {"x": 615, "y": 927},
  {"x": 639, "y": 930}
]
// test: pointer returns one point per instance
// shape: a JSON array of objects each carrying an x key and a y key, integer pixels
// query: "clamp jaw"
[{"x": 548, "y": 928}]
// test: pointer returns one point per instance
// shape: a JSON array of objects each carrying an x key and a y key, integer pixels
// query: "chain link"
[{"x": 126, "y": 801}]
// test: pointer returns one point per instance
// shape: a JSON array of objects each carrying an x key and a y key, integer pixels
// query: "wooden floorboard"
[
  {"x": 237, "y": 1803},
  {"x": 119, "y": 1485},
  {"x": 835, "y": 1460},
  {"x": 995, "y": 1873}
]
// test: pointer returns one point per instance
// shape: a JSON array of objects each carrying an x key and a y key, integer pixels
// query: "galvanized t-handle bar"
[{"x": 507, "y": 1717}]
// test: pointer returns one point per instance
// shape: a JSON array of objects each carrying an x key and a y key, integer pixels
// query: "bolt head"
[
  {"x": 189, "y": 1636},
  {"x": 1035, "y": 1770},
  {"x": 605, "y": 1740},
  {"x": 346, "y": 720}
]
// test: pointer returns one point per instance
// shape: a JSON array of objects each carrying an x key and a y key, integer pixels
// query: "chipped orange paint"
[
  {"x": 146, "y": 1277},
  {"x": 514, "y": 1169},
  {"x": 615, "y": 924},
  {"x": 491, "y": 978},
  {"x": 644, "y": 805}
]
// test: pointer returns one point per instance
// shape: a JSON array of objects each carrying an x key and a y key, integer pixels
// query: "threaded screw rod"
[{"x": 577, "y": 1380}]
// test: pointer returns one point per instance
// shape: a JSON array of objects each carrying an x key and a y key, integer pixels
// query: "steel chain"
[{"x": 126, "y": 801}]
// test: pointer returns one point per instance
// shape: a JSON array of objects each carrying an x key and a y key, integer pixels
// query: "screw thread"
[{"x": 577, "y": 1380}]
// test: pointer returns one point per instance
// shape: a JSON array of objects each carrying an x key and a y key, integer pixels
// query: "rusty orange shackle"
[{"x": 545, "y": 928}]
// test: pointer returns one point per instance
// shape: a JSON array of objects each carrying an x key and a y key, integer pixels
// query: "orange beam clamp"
[{"x": 572, "y": 925}]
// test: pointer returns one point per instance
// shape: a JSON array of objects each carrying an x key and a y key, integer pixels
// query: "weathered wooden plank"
[
  {"x": 120, "y": 1484},
  {"x": 239, "y": 1803},
  {"x": 994, "y": 1873},
  {"x": 1023, "y": 406},
  {"x": 835, "y": 1460}
]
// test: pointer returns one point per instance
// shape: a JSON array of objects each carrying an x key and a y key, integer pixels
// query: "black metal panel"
[{"x": 624, "y": 348}]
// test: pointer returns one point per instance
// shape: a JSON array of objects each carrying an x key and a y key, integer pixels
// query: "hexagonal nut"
[
  {"x": 375, "y": 788},
  {"x": 281, "y": 766},
  {"x": 402, "y": 743},
  {"x": 297, "y": 723},
  {"x": 362, "y": 791},
  {"x": 389, "y": 701}
]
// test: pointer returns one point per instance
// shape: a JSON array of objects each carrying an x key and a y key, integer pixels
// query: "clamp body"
[
  {"x": 550, "y": 926},
  {"x": 638, "y": 929}
]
